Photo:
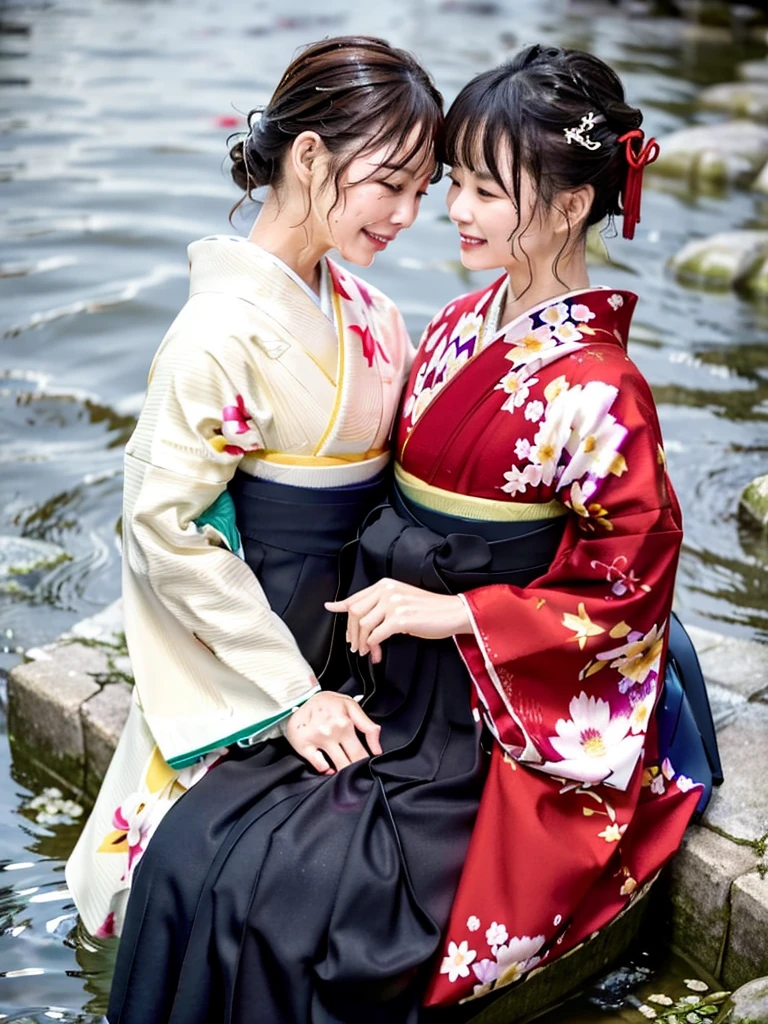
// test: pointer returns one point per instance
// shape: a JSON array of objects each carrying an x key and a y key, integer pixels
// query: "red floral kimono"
[{"x": 577, "y": 814}]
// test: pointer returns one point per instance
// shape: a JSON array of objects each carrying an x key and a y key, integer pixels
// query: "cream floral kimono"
[{"x": 251, "y": 375}]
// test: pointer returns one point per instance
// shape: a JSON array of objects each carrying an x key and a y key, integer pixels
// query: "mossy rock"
[
  {"x": 749, "y": 1004},
  {"x": 732, "y": 152},
  {"x": 732, "y": 259},
  {"x": 739, "y": 99},
  {"x": 754, "y": 502}
]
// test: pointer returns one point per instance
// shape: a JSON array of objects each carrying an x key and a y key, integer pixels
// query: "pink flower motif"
[
  {"x": 338, "y": 283},
  {"x": 522, "y": 448},
  {"x": 365, "y": 295},
  {"x": 657, "y": 785},
  {"x": 106, "y": 930},
  {"x": 683, "y": 783},
  {"x": 581, "y": 313},
  {"x": 238, "y": 415}
]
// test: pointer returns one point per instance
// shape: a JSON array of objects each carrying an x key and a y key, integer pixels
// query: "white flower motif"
[
  {"x": 581, "y": 313},
  {"x": 558, "y": 920},
  {"x": 522, "y": 448},
  {"x": 518, "y": 957},
  {"x": 468, "y": 327},
  {"x": 567, "y": 332},
  {"x": 661, "y": 1000},
  {"x": 593, "y": 745},
  {"x": 596, "y": 437},
  {"x": 667, "y": 770},
  {"x": 695, "y": 985},
  {"x": 641, "y": 712},
  {"x": 456, "y": 964},
  {"x": 683, "y": 783},
  {"x": 615, "y": 301},
  {"x": 408, "y": 408},
  {"x": 527, "y": 342},
  {"x": 517, "y": 387},
  {"x": 473, "y": 923},
  {"x": 554, "y": 314},
  {"x": 519, "y": 480},
  {"x": 496, "y": 935},
  {"x": 647, "y": 1011},
  {"x": 534, "y": 411}
]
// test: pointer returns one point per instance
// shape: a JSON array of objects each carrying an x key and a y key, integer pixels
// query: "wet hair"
[
  {"x": 521, "y": 110},
  {"x": 358, "y": 93}
]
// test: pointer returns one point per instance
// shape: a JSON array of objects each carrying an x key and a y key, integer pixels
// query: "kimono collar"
[
  {"x": 234, "y": 266},
  {"x": 584, "y": 315}
]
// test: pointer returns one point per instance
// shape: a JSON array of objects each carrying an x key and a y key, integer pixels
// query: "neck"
[
  {"x": 283, "y": 230},
  {"x": 538, "y": 284}
]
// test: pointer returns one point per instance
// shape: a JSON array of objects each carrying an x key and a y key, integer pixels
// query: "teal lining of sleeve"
[{"x": 221, "y": 516}]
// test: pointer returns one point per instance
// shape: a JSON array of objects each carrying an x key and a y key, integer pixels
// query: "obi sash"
[
  {"x": 292, "y": 538},
  {"x": 686, "y": 732}
]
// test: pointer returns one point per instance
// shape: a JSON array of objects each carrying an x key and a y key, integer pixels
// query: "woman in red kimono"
[
  {"x": 517, "y": 585},
  {"x": 524, "y": 409}
]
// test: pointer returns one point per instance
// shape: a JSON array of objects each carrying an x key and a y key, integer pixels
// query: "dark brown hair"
[
  {"x": 522, "y": 108},
  {"x": 358, "y": 93}
]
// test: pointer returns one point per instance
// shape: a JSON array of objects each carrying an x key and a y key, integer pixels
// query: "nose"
[
  {"x": 458, "y": 207},
  {"x": 406, "y": 211}
]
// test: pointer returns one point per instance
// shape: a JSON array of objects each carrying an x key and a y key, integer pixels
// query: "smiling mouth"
[
  {"x": 381, "y": 239},
  {"x": 470, "y": 241}
]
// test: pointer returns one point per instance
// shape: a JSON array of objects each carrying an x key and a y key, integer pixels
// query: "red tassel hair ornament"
[{"x": 638, "y": 159}]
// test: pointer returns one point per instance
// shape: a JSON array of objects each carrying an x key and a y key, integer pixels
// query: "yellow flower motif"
[
  {"x": 582, "y": 626},
  {"x": 555, "y": 388},
  {"x": 629, "y": 887}
]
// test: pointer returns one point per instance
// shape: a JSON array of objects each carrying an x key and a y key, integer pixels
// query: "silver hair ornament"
[{"x": 588, "y": 122}]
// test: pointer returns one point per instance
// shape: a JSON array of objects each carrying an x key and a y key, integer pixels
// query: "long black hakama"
[{"x": 274, "y": 895}]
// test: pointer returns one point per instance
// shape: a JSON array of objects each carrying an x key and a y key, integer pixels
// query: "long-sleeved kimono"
[
  {"x": 253, "y": 379},
  {"x": 550, "y": 418},
  {"x": 530, "y": 479}
]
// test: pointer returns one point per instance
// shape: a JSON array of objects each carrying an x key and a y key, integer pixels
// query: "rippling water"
[{"x": 113, "y": 121}]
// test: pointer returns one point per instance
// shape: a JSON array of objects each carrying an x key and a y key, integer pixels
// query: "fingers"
[
  {"x": 366, "y": 726},
  {"x": 314, "y": 756}
]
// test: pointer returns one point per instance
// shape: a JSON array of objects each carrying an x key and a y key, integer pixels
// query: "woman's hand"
[
  {"x": 390, "y": 607},
  {"x": 327, "y": 726}
]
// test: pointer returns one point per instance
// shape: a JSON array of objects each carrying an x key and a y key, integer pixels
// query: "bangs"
[
  {"x": 468, "y": 141},
  {"x": 408, "y": 124}
]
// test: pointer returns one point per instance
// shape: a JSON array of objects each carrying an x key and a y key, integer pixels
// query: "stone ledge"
[
  {"x": 747, "y": 955},
  {"x": 103, "y": 716},
  {"x": 702, "y": 875}
]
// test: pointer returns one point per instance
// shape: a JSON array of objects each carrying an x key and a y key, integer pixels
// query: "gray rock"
[
  {"x": 731, "y": 259},
  {"x": 741, "y": 99},
  {"x": 747, "y": 956},
  {"x": 104, "y": 627},
  {"x": 702, "y": 874},
  {"x": 740, "y": 666},
  {"x": 44, "y": 699},
  {"x": 740, "y": 806},
  {"x": 103, "y": 718},
  {"x": 732, "y": 151},
  {"x": 749, "y": 1004},
  {"x": 754, "y": 501}
]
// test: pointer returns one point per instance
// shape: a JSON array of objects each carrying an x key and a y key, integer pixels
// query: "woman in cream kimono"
[{"x": 274, "y": 389}]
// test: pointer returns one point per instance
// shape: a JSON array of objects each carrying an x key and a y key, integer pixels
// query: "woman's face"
[
  {"x": 487, "y": 218},
  {"x": 377, "y": 199}
]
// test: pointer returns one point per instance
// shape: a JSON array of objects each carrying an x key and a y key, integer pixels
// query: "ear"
[
  {"x": 575, "y": 206},
  {"x": 308, "y": 151}
]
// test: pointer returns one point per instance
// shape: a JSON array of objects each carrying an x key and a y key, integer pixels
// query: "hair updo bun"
[{"x": 357, "y": 93}]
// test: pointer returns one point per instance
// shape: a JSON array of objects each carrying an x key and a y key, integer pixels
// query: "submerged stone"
[
  {"x": 731, "y": 259},
  {"x": 749, "y": 1004},
  {"x": 730, "y": 152},
  {"x": 741, "y": 99},
  {"x": 21, "y": 556},
  {"x": 754, "y": 70},
  {"x": 754, "y": 500}
]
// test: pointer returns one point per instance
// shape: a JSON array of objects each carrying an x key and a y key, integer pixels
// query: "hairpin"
[
  {"x": 637, "y": 162},
  {"x": 588, "y": 122}
]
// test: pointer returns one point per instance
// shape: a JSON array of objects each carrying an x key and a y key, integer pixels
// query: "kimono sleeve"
[
  {"x": 213, "y": 664},
  {"x": 568, "y": 669}
]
